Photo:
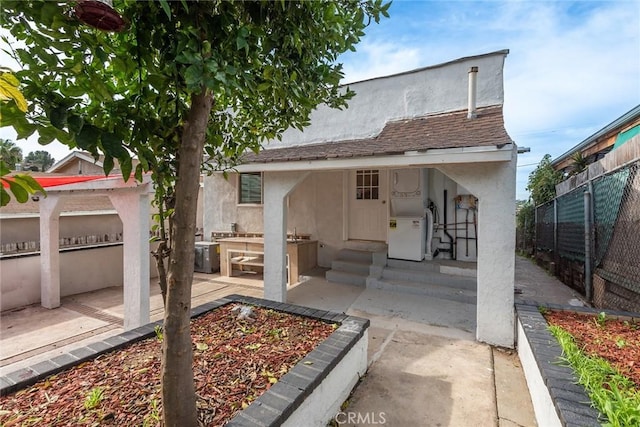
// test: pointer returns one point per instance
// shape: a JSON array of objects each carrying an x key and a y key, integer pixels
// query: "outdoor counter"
[{"x": 245, "y": 255}]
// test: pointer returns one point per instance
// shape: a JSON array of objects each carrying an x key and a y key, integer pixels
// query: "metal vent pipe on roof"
[{"x": 473, "y": 85}]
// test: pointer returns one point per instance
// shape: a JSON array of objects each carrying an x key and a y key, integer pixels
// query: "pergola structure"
[{"x": 131, "y": 201}]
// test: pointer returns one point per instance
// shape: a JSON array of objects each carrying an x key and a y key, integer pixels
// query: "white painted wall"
[
  {"x": 324, "y": 402},
  {"x": 221, "y": 208},
  {"x": 314, "y": 207},
  {"x": 429, "y": 90},
  {"x": 81, "y": 271},
  {"x": 494, "y": 185},
  {"x": 543, "y": 406}
]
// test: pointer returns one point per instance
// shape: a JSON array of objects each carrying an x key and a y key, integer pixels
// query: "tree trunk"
[{"x": 178, "y": 392}]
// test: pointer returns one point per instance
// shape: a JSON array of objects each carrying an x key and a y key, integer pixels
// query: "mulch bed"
[
  {"x": 235, "y": 361},
  {"x": 617, "y": 341}
]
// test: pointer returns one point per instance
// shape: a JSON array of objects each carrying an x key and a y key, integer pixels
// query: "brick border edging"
[
  {"x": 274, "y": 406},
  {"x": 571, "y": 401}
]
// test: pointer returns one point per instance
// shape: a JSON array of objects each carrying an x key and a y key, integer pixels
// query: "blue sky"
[{"x": 573, "y": 67}]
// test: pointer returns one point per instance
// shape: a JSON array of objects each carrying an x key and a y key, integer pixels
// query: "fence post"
[
  {"x": 555, "y": 236},
  {"x": 587, "y": 244}
]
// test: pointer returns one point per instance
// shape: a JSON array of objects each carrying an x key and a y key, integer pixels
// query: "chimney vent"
[{"x": 473, "y": 74}]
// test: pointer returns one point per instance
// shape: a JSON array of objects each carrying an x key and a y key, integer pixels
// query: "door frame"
[{"x": 346, "y": 201}]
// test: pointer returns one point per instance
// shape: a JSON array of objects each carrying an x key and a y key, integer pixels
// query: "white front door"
[{"x": 368, "y": 210}]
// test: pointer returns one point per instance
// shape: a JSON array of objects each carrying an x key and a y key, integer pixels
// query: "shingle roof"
[{"x": 437, "y": 131}]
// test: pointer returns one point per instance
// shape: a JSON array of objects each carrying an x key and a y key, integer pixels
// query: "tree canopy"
[
  {"x": 10, "y": 153},
  {"x": 41, "y": 160},
  {"x": 542, "y": 181},
  {"x": 183, "y": 79}
]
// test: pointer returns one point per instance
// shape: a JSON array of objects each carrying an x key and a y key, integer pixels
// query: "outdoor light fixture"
[{"x": 99, "y": 14}]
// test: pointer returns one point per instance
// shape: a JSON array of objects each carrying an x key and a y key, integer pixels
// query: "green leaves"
[
  {"x": 543, "y": 180},
  {"x": 88, "y": 138},
  {"x": 20, "y": 185}
]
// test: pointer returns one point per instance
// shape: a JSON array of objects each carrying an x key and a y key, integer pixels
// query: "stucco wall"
[
  {"x": 316, "y": 207},
  {"x": 434, "y": 89},
  {"x": 494, "y": 185},
  {"x": 221, "y": 208},
  {"x": 80, "y": 271}
]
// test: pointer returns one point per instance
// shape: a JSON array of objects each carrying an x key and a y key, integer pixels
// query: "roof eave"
[
  {"x": 431, "y": 157},
  {"x": 621, "y": 121}
]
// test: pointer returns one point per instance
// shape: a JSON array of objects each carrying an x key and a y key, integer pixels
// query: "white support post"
[
  {"x": 50, "y": 251},
  {"x": 276, "y": 188},
  {"x": 133, "y": 209},
  {"x": 495, "y": 186}
]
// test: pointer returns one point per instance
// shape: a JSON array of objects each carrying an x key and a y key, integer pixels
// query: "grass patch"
[{"x": 613, "y": 394}]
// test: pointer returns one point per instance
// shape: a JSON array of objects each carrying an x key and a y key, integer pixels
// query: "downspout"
[{"x": 451, "y": 241}]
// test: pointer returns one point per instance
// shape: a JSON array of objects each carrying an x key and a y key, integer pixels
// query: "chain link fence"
[{"x": 610, "y": 250}]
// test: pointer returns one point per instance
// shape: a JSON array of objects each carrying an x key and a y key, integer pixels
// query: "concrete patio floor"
[{"x": 425, "y": 368}]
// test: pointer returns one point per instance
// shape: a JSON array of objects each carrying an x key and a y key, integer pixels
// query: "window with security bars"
[
  {"x": 250, "y": 188},
  {"x": 367, "y": 184}
]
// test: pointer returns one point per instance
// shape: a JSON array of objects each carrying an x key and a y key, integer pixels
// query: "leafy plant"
[
  {"x": 578, "y": 163},
  {"x": 159, "y": 333},
  {"x": 601, "y": 319},
  {"x": 94, "y": 398},
  {"x": 613, "y": 394},
  {"x": 543, "y": 310},
  {"x": 153, "y": 418},
  {"x": 21, "y": 185},
  {"x": 542, "y": 181}
]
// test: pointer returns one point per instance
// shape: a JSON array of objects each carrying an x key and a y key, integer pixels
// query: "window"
[
  {"x": 250, "y": 188},
  {"x": 367, "y": 184}
]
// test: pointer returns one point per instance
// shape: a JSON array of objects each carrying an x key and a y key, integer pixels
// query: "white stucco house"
[{"x": 420, "y": 165}]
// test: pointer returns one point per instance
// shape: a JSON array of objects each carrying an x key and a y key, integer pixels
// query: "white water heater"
[{"x": 407, "y": 231}]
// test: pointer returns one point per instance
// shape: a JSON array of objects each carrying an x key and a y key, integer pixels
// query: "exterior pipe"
[
  {"x": 451, "y": 240},
  {"x": 587, "y": 245},
  {"x": 473, "y": 77}
]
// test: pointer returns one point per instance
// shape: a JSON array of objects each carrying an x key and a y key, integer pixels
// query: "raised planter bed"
[
  {"x": 308, "y": 394},
  {"x": 557, "y": 398}
]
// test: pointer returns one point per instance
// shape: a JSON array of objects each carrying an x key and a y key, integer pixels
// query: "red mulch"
[
  {"x": 617, "y": 341},
  {"x": 235, "y": 361}
]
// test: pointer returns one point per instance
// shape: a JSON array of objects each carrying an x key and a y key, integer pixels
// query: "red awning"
[{"x": 52, "y": 181}]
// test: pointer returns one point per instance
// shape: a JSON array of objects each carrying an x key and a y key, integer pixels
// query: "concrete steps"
[
  {"x": 337, "y": 276},
  {"x": 446, "y": 281},
  {"x": 350, "y": 267}
]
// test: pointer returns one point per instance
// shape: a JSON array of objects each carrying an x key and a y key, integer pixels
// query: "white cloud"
[
  {"x": 380, "y": 59},
  {"x": 573, "y": 67}
]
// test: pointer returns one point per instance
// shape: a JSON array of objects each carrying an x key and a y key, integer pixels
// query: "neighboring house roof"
[
  {"x": 81, "y": 155},
  {"x": 87, "y": 157},
  {"x": 436, "y": 131},
  {"x": 603, "y": 140}
]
